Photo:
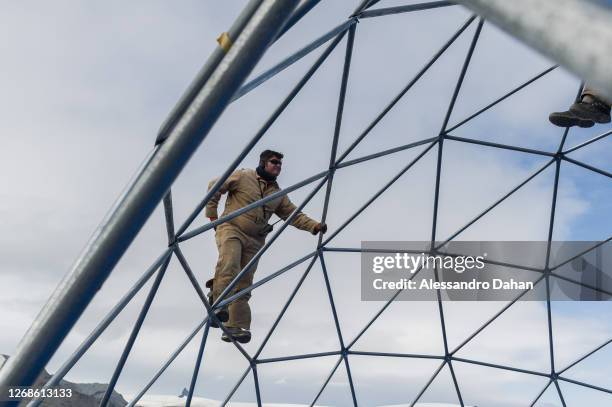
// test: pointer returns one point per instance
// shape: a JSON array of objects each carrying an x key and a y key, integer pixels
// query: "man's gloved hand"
[{"x": 319, "y": 227}]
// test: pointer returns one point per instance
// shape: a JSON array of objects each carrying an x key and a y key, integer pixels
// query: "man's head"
[{"x": 271, "y": 162}]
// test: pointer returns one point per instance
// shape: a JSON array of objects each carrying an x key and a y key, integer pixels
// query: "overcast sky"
[{"x": 85, "y": 87}]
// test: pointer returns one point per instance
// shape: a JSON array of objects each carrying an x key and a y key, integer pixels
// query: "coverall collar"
[{"x": 260, "y": 178}]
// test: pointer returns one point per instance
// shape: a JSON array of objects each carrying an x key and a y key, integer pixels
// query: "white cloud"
[{"x": 84, "y": 90}]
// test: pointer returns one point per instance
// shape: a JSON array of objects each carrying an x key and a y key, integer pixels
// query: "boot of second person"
[
  {"x": 241, "y": 335},
  {"x": 592, "y": 108}
]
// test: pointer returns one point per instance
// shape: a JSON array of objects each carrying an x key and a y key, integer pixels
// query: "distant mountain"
[
  {"x": 83, "y": 394},
  {"x": 90, "y": 395}
]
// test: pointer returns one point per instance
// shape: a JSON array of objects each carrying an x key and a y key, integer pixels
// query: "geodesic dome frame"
[{"x": 325, "y": 179}]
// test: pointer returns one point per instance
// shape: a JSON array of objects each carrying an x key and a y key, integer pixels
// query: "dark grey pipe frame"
[
  {"x": 586, "y": 143},
  {"x": 344, "y": 352},
  {"x": 406, "y": 88},
  {"x": 331, "y": 374},
  {"x": 205, "y": 72},
  {"x": 429, "y": 382},
  {"x": 218, "y": 54},
  {"x": 168, "y": 363},
  {"x": 183, "y": 261},
  {"x": 142, "y": 196},
  {"x": 249, "y": 207},
  {"x": 93, "y": 336},
  {"x": 134, "y": 334},
  {"x": 238, "y": 383},
  {"x": 198, "y": 362},
  {"x": 293, "y": 58},
  {"x": 540, "y": 394},
  {"x": 501, "y": 99},
  {"x": 404, "y": 9}
]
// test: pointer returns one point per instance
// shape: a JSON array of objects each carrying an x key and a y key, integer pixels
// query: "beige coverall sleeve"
[
  {"x": 230, "y": 184},
  {"x": 301, "y": 221}
]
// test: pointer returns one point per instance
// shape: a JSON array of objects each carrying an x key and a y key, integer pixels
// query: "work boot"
[
  {"x": 592, "y": 109},
  {"x": 239, "y": 334},
  {"x": 569, "y": 119},
  {"x": 221, "y": 313}
]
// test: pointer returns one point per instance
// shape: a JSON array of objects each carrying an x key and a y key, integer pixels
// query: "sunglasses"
[{"x": 276, "y": 162}]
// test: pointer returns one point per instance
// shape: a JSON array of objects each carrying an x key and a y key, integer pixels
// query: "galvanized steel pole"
[
  {"x": 575, "y": 33},
  {"x": 143, "y": 194}
]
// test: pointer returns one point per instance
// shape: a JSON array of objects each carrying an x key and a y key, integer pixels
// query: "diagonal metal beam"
[
  {"x": 167, "y": 363},
  {"x": 300, "y": 11},
  {"x": 238, "y": 383},
  {"x": 350, "y": 379},
  {"x": 331, "y": 301},
  {"x": 338, "y": 125},
  {"x": 134, "y": 334},
  {"x": 205, "y": 72},
  {"x": 395, "y": 355},
  {"x": 606, "y": 343},
  {"x": 501, "y": 99},
  {"x": 196, "y": 368},
  {"x": 298, "y": 357},
  {"x": 590, "y": 386},
  {"x": 266, "y": 279},
  {"x": 385, "y": 152},
  {"x": 261, "y": 132},
  {"x": 218, "y": 54},
  {"x": 449, "y": 112},
  {"x": 499, "y": 145},
  {"x": 267, "y": 245},
  {"x": 293, "y": 58},
  {"x": 464, "y": 67},
  {"x": 552, "y": 28},
  {"x": 494, "y": 317},
  {"x": 580, "y": 283},
  {"x": 251, "y": 206},
  {"x": 256, "y": 383},
  {"x": 567, "y": 129},
  {"x": 540, "y": 394},
  {"x": 102, "y": 325},
  {"x": 502, "y": 367},
  {"x": 495, "y": 204},
  {"x": 588, "y": 167},
  {"x": 429, "y": 382},
  {"x": 378, "y": 193},
  {"x": 284, "y": 309},
  {"x": 586, "y": 143},
  {"x": 147, "y": 189},
  {"x": 372, "y": 320},
  {"x": 455, "y": 382},
  {"x": 560, "y": 393},
  {"x": 551, "y": 226},
  {"x": 404, "y": 9},
  {"x": 363, "y": 5},
  {"x": 324, "y": 385},
  {"x": 406, "y": 88},
  {"x": 194, "y": 282}
]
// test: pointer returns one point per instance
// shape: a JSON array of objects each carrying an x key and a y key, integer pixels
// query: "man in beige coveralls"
[{"x": 240, "y": 238}]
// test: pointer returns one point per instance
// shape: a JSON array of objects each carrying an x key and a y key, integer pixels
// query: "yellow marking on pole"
[{"x": 224, "y": 41}]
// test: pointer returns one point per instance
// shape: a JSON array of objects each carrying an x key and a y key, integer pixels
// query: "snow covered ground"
[
  {"x": 175, "y": 401},
  {"x": 426, "y": 405}
]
